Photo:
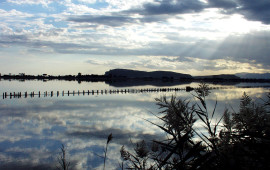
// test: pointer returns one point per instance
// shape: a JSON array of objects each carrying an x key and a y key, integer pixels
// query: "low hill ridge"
[
  {"x": 220, "y": 76},
  {"x": 254, "y": 75},
  {"x": 144, "y": 74}
]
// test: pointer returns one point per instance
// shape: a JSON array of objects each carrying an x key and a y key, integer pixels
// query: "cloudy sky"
[{"x": 197, "y": 37}]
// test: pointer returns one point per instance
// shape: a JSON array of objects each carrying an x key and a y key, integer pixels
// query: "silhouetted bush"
[{"x": 241, "y": 142}]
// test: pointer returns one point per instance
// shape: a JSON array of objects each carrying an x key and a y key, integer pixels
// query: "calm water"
[{"x": 33, "y": 129}]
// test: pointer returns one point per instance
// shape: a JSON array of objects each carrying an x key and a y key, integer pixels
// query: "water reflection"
[{"x": 32, "y": 130}]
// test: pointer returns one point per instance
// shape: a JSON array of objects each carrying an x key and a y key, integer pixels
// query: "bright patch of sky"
[{"x": 180, "y": 35}]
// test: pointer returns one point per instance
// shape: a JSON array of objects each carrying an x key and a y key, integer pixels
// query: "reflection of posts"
[{"x": 188, "y": 88}]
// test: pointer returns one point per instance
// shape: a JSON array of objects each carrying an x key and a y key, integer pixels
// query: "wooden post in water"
[
  {"x": 39, "y": 94},
  {"x": 68, "y": 93}
]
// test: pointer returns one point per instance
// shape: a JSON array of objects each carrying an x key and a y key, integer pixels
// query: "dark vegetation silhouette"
[
  {"x": 238, "y": 140},
  {"x": 106, "y": 149},
  {"x": 62, "y": 160}
]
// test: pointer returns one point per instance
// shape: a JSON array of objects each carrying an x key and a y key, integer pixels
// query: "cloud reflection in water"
[{"x": 32, "y": 130}]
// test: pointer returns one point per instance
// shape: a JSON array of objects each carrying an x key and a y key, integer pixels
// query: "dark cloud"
[
  {"x": 179, "y": 59},
  {"x": 117, "y": 20},
  {"x": 258, "y": 10},
  {"x": 113, "y": 21},
  {"x": 151, "y": 12},
  {"x": 171, "y": 7},
  {"x": 161, "y": 10},
  {"x": 39, "y": 45},
  {"x": 119, "y": 136},
  {"x": 10, "y": 39},
  {"x": 226, "y": 4},
  {"x": 152, "y": 18},
  {"x": 252, "y": 10}
]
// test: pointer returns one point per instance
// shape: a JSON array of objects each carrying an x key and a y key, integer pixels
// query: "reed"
[{"x": 237, "y": 140}]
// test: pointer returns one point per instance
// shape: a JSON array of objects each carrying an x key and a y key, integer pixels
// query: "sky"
[{"x": 197, "y": 37}]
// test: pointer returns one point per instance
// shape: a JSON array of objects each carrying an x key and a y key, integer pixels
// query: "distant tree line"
[
  {"x": 79, "y": 77},
  {"x": 110, "y": 77}
]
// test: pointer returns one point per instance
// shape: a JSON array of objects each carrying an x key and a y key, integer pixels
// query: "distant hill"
[
  {"x": 125, "y": 73},
  {"x": 253, "y": 75},
  {"x": 221, "y": 76}
]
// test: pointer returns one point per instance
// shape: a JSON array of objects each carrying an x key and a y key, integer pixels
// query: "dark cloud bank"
[{"x": 252, "y": 10}]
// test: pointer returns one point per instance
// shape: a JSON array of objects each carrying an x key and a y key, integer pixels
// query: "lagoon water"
[{"x": 32, "y": 130}]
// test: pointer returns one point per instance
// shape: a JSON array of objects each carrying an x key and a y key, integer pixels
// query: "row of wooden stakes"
[{"x": 92, "y": 92}]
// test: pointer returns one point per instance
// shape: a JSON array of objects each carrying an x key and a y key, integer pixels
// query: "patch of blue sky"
[
  {"x": 58, "y": 24},
  {"x": 97, "y": 5},
  {"x": 32, "y": 9},
  {"x": 7, "y": 6},
  {"x": 3, "y": 2},
  {"x": 55, "y": 7},
  {"x": 52, "y": 8}
]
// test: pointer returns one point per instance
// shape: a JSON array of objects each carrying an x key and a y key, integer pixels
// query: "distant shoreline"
[
  {"x": 136, "y": 77},
  {"x": 108, "y": 79}
]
